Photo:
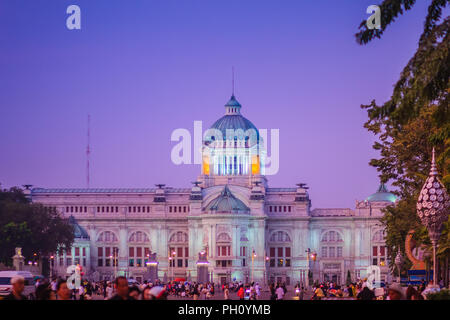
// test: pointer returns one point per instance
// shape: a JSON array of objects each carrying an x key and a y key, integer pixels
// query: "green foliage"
[
  {"x": 415, "y": 119},
  {"x": 391, "y": 9},
  {"x": 441, "y": 295},
  {"x": 425, "y": 79},
  {"x": 15, "y": 234},
  {"x": 406, "y": 150},
  {"x": 33, "y": 227}
]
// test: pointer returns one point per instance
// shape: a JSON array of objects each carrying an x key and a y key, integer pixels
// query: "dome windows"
[{"x": 232, "y": 145}]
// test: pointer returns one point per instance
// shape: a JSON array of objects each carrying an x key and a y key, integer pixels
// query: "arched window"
[
  {"x": 280, "y": 250},
  {"x": 138, "y": 236},
  {"x": 223, "y": 237},
  {"x": 179, "y": 236},
  {"x": 332, "y": 236},
  {"x": 328, "y": 248},
  {"x": 223, "y": 246},
  {"x": 138, "y": 249},
  {"x": 378, "y": 236},
  {"x": 280, "y": 236},
  {"x": 107, "y": 236},
  {"x": 179, "y": 250},
  {"x": 108, "y": 253}
]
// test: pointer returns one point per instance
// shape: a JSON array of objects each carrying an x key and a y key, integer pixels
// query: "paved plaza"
[{"x": 265, "y": 295}]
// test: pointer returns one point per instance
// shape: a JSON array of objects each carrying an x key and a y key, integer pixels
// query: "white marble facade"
[{"x": 250, "y": 231}]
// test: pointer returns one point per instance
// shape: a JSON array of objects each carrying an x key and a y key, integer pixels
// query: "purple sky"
[{"x": 145, "y": 68}]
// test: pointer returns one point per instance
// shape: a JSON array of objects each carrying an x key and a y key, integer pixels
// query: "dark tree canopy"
[
  {"x": 33, "y": 227},
  {"x": 415, "y": 119},
  {"x": 425, "y": 79}
]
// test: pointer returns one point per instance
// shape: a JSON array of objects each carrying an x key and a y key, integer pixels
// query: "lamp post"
[
  {"x": 115, "y": 261},
  {"x": 313, "y": 257},
  {"x": 398, "y": 262},
  {"x": 170, "y": 267},
  {"x": 112, "y": 265},
  {"x": 433, "y": 209},
  {"x": 307, "y": 266},
  {"x": 147, "y": 264},
  {"x": 171, "y": 272},
  {"x": 173, "y": 267},
  {"x": 253, "y": 263},
  {"x": 51, "y": 267},
  {"x": 266, "y": 274}
]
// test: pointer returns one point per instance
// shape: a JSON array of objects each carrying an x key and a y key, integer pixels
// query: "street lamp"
[
  {"x": 266, "y": 274},
  {"x": 398, "y": 262},
  {"x": 253, "y": 263},
  {"x": 433, "y": 209},
  {"x": 173, "y": 266},
  {"x": 116, "y": 262},
  {"x": 170, "y": 268},
  {"x": 172, "y": 255},
  {"x": 51, "y": 267},
  {"x": 112, "y": 265},
  {"x": 309, "y": 255},
  {"x": 307, "y": 266}
]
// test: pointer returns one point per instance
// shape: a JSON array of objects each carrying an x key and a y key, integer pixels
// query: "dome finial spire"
[
  {"x": 433, "y": 169},
  {"x": 232, "y": 81}
]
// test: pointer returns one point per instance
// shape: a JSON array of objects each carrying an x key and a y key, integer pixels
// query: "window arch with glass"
[
  {"x": 223, "y": 250},
  {"x": 331, "y": 245},
  {"x": 138, "y": 249},
  {"x": 179, "y": 249},
  {"x": 280, "y": 252},
  {"x": 107, "y": 249}
]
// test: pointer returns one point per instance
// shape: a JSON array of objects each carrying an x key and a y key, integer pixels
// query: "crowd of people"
[
  {"x": 362, "y": 291},
  {"x": 207, "y": 291},
  {"x": 122, "y": 289},
  {"x": 44, "y": 290},
  {"x": 58, "y": 289}
]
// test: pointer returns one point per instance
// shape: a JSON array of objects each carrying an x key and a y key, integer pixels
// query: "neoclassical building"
[{"x": 246, "y": 229}]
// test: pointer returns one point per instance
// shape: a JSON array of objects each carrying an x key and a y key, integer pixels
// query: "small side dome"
[
  {"x": 226, "y": 202},
  {"x": 382, "y": 195},
  {"x": 78, "y": 230}
]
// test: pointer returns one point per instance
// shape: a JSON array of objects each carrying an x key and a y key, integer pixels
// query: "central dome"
[
  {"x": 233, "y": 120},
  {"x": 232, "y": 146}
]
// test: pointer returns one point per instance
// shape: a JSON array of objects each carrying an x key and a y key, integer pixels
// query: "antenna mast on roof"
[
  {"x": 88, "y": 150},
  {"x": 232, "y": 80}
]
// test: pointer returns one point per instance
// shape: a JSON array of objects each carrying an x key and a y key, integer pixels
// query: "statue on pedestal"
[{"x": 18, "y": 260}]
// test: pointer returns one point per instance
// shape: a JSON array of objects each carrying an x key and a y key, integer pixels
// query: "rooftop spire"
[
  {"x": 232, "y": 81},
  {"x": 433, "y": 169},
  {"x": 382, "y": 188},
  {"x": 232, "y": 106}
]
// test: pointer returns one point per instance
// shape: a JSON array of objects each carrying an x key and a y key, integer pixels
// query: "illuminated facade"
[{"x": 247, "y": 229}]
